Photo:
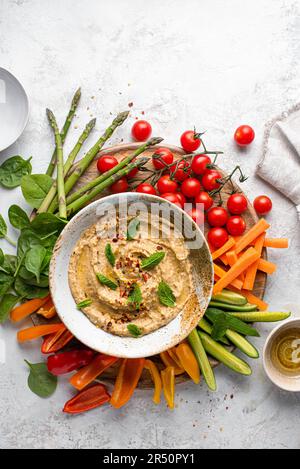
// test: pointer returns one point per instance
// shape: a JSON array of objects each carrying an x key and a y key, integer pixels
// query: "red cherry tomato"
[
  {"x": 141, "y": 130},
  {"x": 205, "y": 199},
  {"x": 244, "y": 135},
  {"x": 197, "y": 215},
  {"x": 166, "y": 184},
  {"x": 172, "y": 197},
  {"x": 263, "y": 204},
  {"x": 181, "y": 198},
  {"x": 146, "y": 188},
  {"x": 236, "y": 225},
  {"x": 237, "y": 204},
  {"x": 191, "y": 187},
  {"x": 133, "y": 173},
  {"x": 217, "y": 216},
  {"x": 106, "y": 162},
  {"x": 217, "y": 237},
  {"x": 199, "y": 163},
  {"x": 182, "y": 172},
  {"x": 119, "y": 186},
  {"x": 165, "y": 157},
  {"x": 209, "y": 180},
  {"x": 190, "y": 141}
]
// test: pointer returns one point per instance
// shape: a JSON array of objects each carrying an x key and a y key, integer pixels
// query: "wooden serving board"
[{"x": 250, "y": 217}]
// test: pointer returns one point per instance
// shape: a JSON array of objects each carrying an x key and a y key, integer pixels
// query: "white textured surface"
[{"x": 213, "y": 64}]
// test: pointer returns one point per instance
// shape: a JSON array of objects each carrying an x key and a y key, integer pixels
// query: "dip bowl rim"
[{"x": 79, "y": 324}]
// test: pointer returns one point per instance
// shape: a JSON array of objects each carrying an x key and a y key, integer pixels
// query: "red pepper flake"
[
  {"x": 159, "y": 248},
  {"x": 145, "y": 276},
  {"x": 130, "y": 104}
]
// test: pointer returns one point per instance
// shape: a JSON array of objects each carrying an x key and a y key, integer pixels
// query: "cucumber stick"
[
  {"x": 230, "y": 298},
  {"x": 238, "y": 308},
  {"x": 207, "y": 327},
  {"x": 261, "y": 316},
  {"x": 243, "y": 344},
  {"x": 223, "y": 355},
  {"x": 201, "y": 357}
]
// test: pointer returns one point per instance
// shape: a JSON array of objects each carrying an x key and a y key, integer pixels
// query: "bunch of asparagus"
[{"x": 58, "y": 199}]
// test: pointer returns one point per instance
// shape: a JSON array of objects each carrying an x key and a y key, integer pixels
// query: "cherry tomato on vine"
[
  {"x": 191, "y": 187},
  {"x": 146, "y": 188},
  {"x": 236, "y": 225},
  {"x": 205, "y": 199},
  {"x": 209, "y": 180},
  {"x": 217, "y": 237},
  {"x": 166, "y": 184},
  {"x": 106, "y": 162},
  {"x": 217, "y": 216},
  {"x": 172, "y": 197},
  {"x": 237, "y": 204},
  {"x": 119, "y": 186},
  {"x": 263, "y": 204},
  {"x": 141, "y": 130},
  {"x": 165, "y": 157},
  {"x": 244, "y": 135},
  {"x": 190, "y": 140},
  {"x": 197, "y": 215},
  {"x": 182, "y": 172},
  {"x": 181, "y": 198},
  {"x": 133, "y": 173},
  {"x": 199, "y": 163}
]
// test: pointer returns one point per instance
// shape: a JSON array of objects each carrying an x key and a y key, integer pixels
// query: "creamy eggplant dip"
[{"x": 125, "y": 284}]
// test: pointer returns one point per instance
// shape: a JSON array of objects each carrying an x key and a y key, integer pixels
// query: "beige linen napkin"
[{"x": 280, "y": 163}]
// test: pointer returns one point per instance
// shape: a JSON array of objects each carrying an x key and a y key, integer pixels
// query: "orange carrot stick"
[
  {"x": 22, "y": 311},
  {"x": 281, "y": 243},
  {"x": 266, "y": 266},
  {"x": 220, "y": 273},
  {"x": 259, "y": 228},
  {"x": 222, "y": 250},
  {"x": 246, "y": 259},
  {"x": 232, "y": 258},
  {"x": 38, "y": 331},
  {"x": 223, "y": 258},
  {"x": 252, "y": 270}
]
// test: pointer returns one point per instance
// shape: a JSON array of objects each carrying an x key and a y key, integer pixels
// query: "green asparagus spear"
[
  {"x": 85, "y": 198},
  {"x": 60, "y": 165},
  {"x": 122, "y": 164},
  {"x": 70, "y": 160},
  {"x": 88, "y": 158},
  {"x": 65, "y": 129}
]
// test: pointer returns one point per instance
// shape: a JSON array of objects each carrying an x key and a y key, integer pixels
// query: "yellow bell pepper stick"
[
  {"x": 168, "y": 382},
  {"x": 168, "y": 361},
  {"x": 188, "y": 361},
  {"x": 173, "y": 355},
  {"x": 155, "y": 376}
]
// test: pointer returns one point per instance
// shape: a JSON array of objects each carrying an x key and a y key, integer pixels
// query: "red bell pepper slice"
[
  {"x": 128, "y": 377},
  {"x": 90, "y": 372},
  {"x": 88, "y": 399},
  {"x": 55, "y": 342},
  {"x": 64, "y": 362}
]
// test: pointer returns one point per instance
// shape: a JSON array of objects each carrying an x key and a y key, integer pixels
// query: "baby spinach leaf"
[
  {"x": 27, "y": 240},
  {"x": 135, "y": 296},
  {"x": 29, "y": 291},
  {"x": 152, "y": 261},
  {"x": 84, "y": 303},
  {"x": 134, "y": 330},
  {"x": 6, "y": 282},
  {"x": 18, "y": 218},
  {"x": 46, "y": 223},
  {"x": 12, "y": 171},
  {"x": 1, "y": 257},
  {"x": 34, "y": 260},
  {"x": 40, "y": 380},
  {"x": 110, "y": 255},
  {"x": 3, "y": 227},
  {"x": 133, "y": 227},
  {"x": 35, "y": 187},
  {"x": 9, "y": 264},
  {"x": 30, "y": 278},
  {"x": 166, "y": 295},
  {"x": 6, "y": 305},
  {"x": 106, "y": 281}
]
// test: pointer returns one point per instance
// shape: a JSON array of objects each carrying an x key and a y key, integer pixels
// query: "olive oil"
[{"x": 285, "y": 351}]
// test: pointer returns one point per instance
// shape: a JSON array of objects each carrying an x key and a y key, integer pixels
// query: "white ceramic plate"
[
  {"x": 84, "y": 330},
  {"x": 14, "y": 109}
]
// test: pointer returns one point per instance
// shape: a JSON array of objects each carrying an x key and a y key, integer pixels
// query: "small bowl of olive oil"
[{"x": 281, "y": 355}]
